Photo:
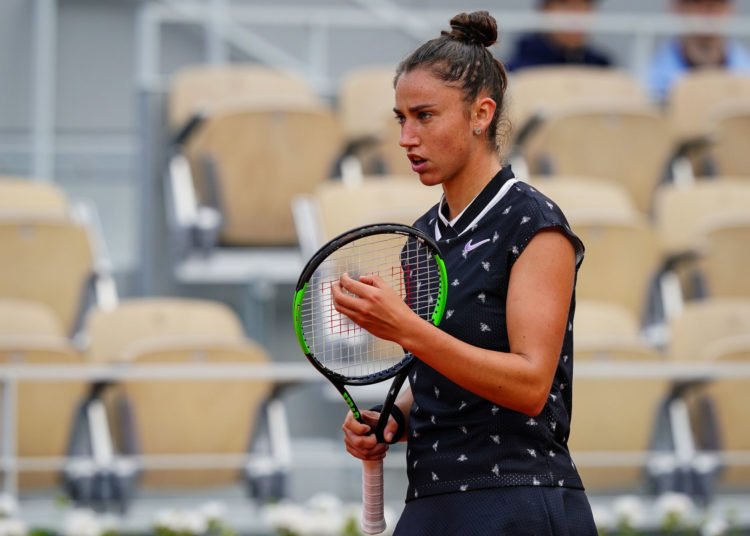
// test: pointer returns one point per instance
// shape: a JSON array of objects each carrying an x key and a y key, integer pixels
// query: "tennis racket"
[{"x": 410, "y": 263}]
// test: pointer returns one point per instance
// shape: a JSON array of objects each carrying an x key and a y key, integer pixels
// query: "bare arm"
[{"x": 539, "y": 294}]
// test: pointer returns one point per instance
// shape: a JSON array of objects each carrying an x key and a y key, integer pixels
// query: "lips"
[{"x": 418, "y": 163}]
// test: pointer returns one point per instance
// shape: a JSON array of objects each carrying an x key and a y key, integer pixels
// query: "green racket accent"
[
  {"x": 352, "y": 406},
  {"x": 437, "y": 314},
  {"x": 298, "y": 296}
]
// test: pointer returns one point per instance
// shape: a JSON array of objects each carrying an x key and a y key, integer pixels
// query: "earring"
[{"x": 477, "y": 131}]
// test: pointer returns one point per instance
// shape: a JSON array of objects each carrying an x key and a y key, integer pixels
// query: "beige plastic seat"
[
  {"x": 606, "y": 331},
  {"x": 180, "y": 417},
  {"x": 611, "y": 438},
  {"x": 728, "y": 150},
  {"x": 622, "y": 142},
  {"x": 584, "y": 196},
  {"x": 682, "y": 211},
  {"x": 621, "y": 260},
  {"x": 208, "y": 89},
  {"x": 365, "y": 101},
  {"x": 544, "y": 90},
  {"x": 194, "y": 417},
  {"x": 725, "y": 259},
  {"x": 696, "y": 98},
  {"x": 46, "y": 260},
  {"x": 30, "y": 333},
  {"x": 262, "y": 157},
  {"x": 27, "y": 197},
  {"x": 375, "y": 200},
  {"x": 114, "y": 333}
]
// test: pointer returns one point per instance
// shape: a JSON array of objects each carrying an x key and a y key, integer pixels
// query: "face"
[
  {"x": 704, "y": 49},
  {"x": 436, "y": 127},
  {"x": 573, "y": 39}
]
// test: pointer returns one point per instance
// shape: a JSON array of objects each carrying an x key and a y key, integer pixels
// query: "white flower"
[
  {"x": 677, "y": 505},
  {"x": 12, "y": 527},
  {"x": 182, "y": 521},
  {"x": 602, "y": 515},
  {"x": 629, "y": 509},
  {"x": 213, "y": 510},
  {"x": 715, "y": 526},
  {"x": 324, "y": 502},
  {"x": 8, "y": 505},
  {"x": 81, "y": 522}
]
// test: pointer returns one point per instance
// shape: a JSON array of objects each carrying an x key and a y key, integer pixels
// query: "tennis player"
[{"x": 487, "y": 413}]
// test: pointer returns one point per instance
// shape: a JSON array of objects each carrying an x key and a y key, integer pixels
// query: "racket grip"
[{"x": 373, "y": 517}]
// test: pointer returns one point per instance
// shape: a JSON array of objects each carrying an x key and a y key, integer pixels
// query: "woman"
[{"x": 489, "y": 401}]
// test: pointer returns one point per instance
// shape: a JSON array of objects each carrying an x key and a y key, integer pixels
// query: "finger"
[
  {"x": 355, "y": 287},
  {"x": 343, "y": 302},
  {"x": 391, "y": 427}
]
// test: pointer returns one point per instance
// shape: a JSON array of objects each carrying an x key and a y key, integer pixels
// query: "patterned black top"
[{"x": 459, "y": 441}]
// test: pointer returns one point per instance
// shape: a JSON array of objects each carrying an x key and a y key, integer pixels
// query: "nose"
[{"x": 408, "y": 136}]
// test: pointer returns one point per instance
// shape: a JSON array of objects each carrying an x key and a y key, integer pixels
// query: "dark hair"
[{"x": 462, "y": 56}]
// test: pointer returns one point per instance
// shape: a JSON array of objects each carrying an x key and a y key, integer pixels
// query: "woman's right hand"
[{"x": 361, "y": 442}]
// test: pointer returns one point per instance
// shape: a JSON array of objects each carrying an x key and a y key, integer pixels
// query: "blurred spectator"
[
  {"x": 691, "y": 51},
  {"x": 558, "y": 47}
]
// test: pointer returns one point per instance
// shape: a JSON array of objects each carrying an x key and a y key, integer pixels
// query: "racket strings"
[{"x": 405, "y": 265}]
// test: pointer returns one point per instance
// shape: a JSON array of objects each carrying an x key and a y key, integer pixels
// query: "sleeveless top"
[{"x": 459, "y": 441}]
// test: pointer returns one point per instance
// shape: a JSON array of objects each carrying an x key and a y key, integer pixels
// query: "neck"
[{"x": 459, "y": 193}]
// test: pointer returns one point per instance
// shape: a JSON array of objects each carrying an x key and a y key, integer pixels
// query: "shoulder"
[{"x": 426, "y": 221}]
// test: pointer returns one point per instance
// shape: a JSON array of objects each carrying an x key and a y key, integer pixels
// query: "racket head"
[{"x": 407, "y": 259}]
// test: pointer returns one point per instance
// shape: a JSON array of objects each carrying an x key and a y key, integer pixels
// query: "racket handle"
[{"x": 373, "y": 517}]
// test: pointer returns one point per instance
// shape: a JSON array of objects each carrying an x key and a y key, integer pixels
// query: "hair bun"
[{"x": 478, "y": 27}]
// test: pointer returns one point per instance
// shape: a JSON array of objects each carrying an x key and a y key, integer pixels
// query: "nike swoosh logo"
[{"x": 471, "y": 247}]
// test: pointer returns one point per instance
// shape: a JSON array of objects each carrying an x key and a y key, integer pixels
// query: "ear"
[{"x": 483, "y": 112}]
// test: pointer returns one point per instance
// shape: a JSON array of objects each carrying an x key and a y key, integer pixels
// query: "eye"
[
  {"x": 424, "y": 116},
  {"x": 400, "y": 119}
]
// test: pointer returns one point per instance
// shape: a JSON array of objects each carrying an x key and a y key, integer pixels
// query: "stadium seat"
[
  {"x": 43, "y": 410},
  {"x": 335, "y": 207},
  {"x": 176, "y": 420},
  {"x": 586, "y": 196},
  {"x": 50, "y": 260},
  {"x": 365, "y": 100},
  {"x": 725, "y": 257},
  {"x": 728, "y": 148},
  {"x": 621, "y": 142},
  {"x": 27, "y": 197}
]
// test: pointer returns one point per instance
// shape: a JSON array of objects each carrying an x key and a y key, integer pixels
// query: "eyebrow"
[{"x": 415, "y": 108}]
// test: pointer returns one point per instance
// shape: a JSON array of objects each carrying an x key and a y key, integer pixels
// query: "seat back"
[
  {"x": 697, "y": 96},
  {"x": 365, "y": 101},
  {"x": 543, "y": 90},
  {"x": 725, "y": 263},
  {"x": 46, "y": 260},
  {"x": 194, "y": 417},
  {"x": 28, "y": 197},
  {"x": 681, "y": 212},
  {"x": 623, "y": 143},
  {"x": 263, "y": 157},
  {"x": 620, "y": 262},
  {"x": 586, "y": 196},
  {"x": 731, "y": 132},
  {"x": 208, "y": 89},
  {"x": 375, "y": 200},
  {"x": 113, "y": 333}
]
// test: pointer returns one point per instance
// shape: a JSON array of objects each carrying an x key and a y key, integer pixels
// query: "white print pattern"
[
  {"x": 416, "y": 495},
  {"x": 525, "y": 219},
  {"x": 437, "y": 392},
  {"x": 553, "y": 397},
  {"x": 462, "y": 458},
  {"x": 550, "y": 205},
  {"x": 464, "y": 429},
  {"x": 434, "y": 477},
  {"x": 415, "y": 434},
  {"x": 531, "y": 422},
  {"x": 414, "y": 378},
  {"x": 495, "y": 237},
  {"x": 448, "y": 314},
  {"x": 560, "y": 483},
  {"x": 432, "y": 419},
  {"x": 435, "y": 445},
  {"x": 507, "y": 210},
  {"x": 464, "y": 487},
  {"x": 494, "y": 410},
  {"x": 553, "y": 425},
  {"x": 462, "y": 405},
  {"x": 570, "y": 326},
  {"x": 565, "y": 358},
  {"x": 515, "y": 251},
  {"x": 486, "y": 266},
  {"x": 455, "y": 283},
  {"x": 562, "y": 386},
  {"x": 531, "y": 452},
  {"x": 496, "y": 470},
  {"x": 536, "y": 482},
  {"x": 495, "y": 439},
  {"x": 484, "y": 327},
  {"x": 482, "y": 297},
  {"x": 531, "y": 189},
  {"x": 552, "y": 454},
  {"x": 414, "y": 465}
]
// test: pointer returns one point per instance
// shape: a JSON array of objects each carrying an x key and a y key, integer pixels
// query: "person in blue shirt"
[
  {"x": 683, "y": 53},
  {"x": 486, "y": 415},
  {"x": 558, "y": 47}
]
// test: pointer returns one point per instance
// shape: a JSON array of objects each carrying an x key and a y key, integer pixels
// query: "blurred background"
[{"x": 167, "y": 166}]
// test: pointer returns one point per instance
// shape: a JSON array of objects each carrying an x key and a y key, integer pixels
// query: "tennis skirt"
[{"x": 511, "y": 511}]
